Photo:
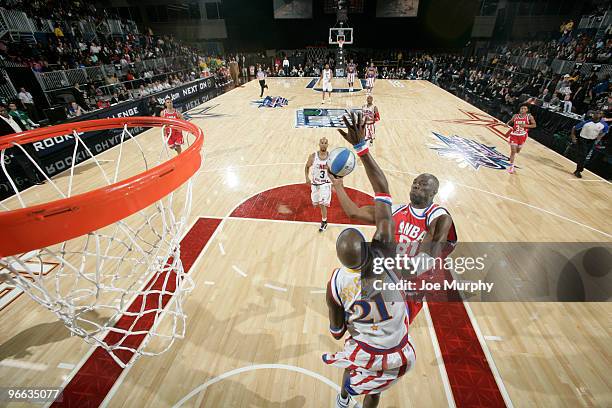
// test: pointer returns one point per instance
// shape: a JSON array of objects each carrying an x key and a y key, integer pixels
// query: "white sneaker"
[
  {"x": 347, "y": 403},
  {"x": 342, "y": 404}
]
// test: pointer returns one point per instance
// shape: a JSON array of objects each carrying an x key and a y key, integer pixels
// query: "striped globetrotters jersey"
[
  {"x": 378, "y": 351},
  {"x": 351, "y": 73}
]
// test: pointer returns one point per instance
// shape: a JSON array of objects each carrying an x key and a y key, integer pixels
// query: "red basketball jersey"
[
  {"x": 170, "y": 115},
  {"x": 520, "y": 122},
  {"x": 175, "y": 136},
  {"x": 411, "y": 225}
]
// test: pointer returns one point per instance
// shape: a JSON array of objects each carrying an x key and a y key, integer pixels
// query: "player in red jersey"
[
  {"x": 421, "y": 220},
  {"x": 521, "y": 123},
  {"x": 174, "y": 136},
  {"x": 426, "y": 227}
]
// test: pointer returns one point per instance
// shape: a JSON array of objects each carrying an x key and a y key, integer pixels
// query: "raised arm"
[{"x": 355, "y": 135}]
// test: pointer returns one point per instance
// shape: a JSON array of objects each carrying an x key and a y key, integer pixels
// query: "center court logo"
[
  {"x": 468, "y": 152},
  {"x": 321, "y": 118}
]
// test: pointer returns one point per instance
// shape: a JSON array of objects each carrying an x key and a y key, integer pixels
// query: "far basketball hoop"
[{"x": 340, "y": 34}]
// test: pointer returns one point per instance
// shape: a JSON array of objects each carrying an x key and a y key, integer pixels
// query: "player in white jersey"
[
  {"x": 351, "y": 73},
  {"x": 371, "y": 116},
  {"x": 325, "y": 79},
  {"x": 320, "y": 184},
  {"x": 371, "y": 74},
  {"x": 378, "y": 350}
]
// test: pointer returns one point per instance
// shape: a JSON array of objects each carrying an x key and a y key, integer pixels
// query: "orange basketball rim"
[{"x": 42, "y": 225}]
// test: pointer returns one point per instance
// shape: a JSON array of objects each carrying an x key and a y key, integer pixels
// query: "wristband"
[
  {"x": 383, "y": 198},
  {"x": 361, "y": 148}
]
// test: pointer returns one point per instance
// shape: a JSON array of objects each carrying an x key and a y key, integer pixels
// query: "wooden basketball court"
[{"x": 257, "y": 320}]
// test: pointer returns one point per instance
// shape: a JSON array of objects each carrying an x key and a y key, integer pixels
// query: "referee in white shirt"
[
  {"x": 591, "y": 132},
  {"x": 261, "y": 77}
]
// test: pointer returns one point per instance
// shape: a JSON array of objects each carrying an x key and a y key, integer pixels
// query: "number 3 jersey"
[
  {"x": 318, "y": 171},
  {"x": 378, "y": 321}
]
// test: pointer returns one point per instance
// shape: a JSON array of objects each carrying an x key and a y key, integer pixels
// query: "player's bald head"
[
  {"x": 323, "y": 142},
  {"x": 349, "y": 248},
  {"x": 433, "y": 180}
]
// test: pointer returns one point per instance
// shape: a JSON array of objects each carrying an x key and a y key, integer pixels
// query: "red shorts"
[
  {"x": 518, "y": 140},
  {"x": 176, "y": 138}
]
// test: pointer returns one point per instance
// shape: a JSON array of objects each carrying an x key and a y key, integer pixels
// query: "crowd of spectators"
[
  {"x": 504, "y": 84},
  {"x": 92, "y": 98},
  {"x": 589, "y": 45},
  {"x": 67, "y": 47},
  {"x": 581, "y": 48}
]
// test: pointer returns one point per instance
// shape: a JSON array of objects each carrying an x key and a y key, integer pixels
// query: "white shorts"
[
  {"x": 370, "y": 82},
  {"x": 350, "y": 78},
  {"x": 321, "y": 194},
  {"x": 327, "y": 87}
]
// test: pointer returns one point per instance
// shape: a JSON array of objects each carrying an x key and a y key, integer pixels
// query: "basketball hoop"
[
  {"x": 107, "y": 236},
  {"x": 340, "y": 43}
]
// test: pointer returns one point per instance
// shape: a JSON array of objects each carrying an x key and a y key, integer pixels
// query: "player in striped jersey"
[
  {"x": 378, "y": 351},
  {"x": 371, "y": 75},
  {"x": 351, "y": 73},
  {"x": 371, "y": 115}
]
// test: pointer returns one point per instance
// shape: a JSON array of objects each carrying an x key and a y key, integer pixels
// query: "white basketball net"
[{"x": 121, "y": 287}]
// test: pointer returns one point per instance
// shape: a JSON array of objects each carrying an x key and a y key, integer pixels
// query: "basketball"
[{"x": 341, "y": 162}]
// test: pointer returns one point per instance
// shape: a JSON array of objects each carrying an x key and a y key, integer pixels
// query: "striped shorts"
[{"x": 371, "y": 370}]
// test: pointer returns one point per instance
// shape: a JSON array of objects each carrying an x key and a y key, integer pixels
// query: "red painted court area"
[{"x": 471, "y": 379}]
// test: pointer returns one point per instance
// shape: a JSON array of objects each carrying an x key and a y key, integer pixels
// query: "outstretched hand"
[{"x": 355, "y": 125}]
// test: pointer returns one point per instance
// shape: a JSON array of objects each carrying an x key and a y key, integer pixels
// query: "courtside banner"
[
  {"x": 180, "y": 96},
  {"x": 488, "y": 272},
  {"x": 55, "y": 154}
]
